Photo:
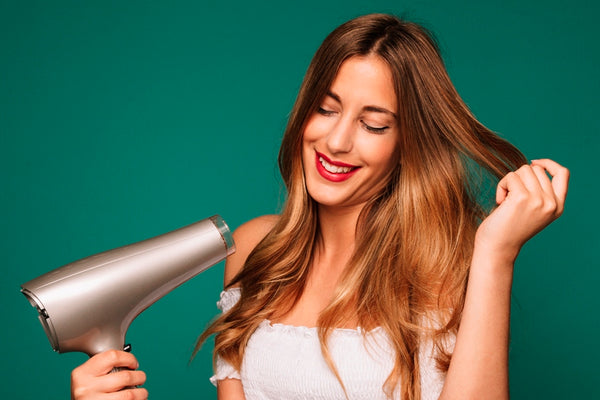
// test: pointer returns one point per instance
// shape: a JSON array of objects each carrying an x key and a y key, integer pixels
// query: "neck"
[{"x": 337, "y": 228}]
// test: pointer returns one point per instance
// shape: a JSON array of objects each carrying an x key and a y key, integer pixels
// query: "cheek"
[
  {"x": 316, "y": 128},
  {"x": 380, "y": 153},
  {"x": 309, "y": 129},
  {"x": 307, "y": 143},
  {"x": 393, "y": 154}
]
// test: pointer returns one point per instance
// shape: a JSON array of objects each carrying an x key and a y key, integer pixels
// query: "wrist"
[
  {"x": 494, "y": 263},
  {"x": 497, "y": 251}
]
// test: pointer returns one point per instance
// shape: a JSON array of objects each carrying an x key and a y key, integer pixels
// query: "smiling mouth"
[
  {"x": 333, "y": 168},
  {"x": 334, "y": 171}
]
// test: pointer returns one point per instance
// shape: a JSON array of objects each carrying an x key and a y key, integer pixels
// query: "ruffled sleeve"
[
  {"x": 229, "y": 298},
  {"x": 224, "y": 370}
]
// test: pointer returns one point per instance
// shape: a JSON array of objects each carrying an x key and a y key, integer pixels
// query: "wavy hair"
[{"x": 414, "y": 240}]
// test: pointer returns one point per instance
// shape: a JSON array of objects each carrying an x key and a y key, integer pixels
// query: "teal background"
[{"x": 121, "y": 120}]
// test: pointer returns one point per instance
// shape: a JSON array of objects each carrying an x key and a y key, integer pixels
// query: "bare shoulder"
[{"x": 246, "y": 237}]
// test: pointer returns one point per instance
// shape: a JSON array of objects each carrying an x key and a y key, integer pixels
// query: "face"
[{"x": 350, "y": 142}]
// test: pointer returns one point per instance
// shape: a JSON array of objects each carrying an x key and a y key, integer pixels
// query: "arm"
[
  {"x": 527, "y": 202},
  {"x": 246, "y": 237},
  {"x": 230, "y": 389}
]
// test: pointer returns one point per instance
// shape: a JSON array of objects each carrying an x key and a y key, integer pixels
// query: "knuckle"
[
  {"x": 78, "y": 376},
  {"x": 506, "y": 178},
  {"x": 545, "y": 206},
  {"x": 127, "y": 395},
  {"x": 520, "y": 197},
  {"x": 75, "y": 374},
  {"x": 117, "y": 379},
  {"x": 550, "y": 206},
  {"x": 81, "y": 393},
  {"x": 112, "y": 355},
  {"x": 77, "y": 393},
  {"x": 123, "y": 378},
  {"x": 131, "y": 376},
  {"x": 522, "y": 167},
  {"x": 537, "y": 168},
  {"x": 537, "y": 204}
]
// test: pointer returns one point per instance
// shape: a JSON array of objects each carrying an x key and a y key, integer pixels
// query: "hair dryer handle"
[
  {"x": 126, "y": 348},
  {"x": 117, "y": 369}
]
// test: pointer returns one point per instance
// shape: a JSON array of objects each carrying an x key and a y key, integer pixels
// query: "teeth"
[{"x": 334, "y": 169}]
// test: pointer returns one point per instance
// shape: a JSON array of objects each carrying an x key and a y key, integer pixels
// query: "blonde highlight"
[{"x": 413, "y": 241}]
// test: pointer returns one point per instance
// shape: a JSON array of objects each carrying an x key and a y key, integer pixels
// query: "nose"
[{"x": 340, "y": 138}]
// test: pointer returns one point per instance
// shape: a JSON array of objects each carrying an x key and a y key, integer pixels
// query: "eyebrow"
[{"x": 366, "y": 108}]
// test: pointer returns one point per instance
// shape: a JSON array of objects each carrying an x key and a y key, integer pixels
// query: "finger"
[
  {"x": 543, "y": 179},
  {"x": 104, "y": 362},
  {"x": 116, "y": 381},
  {"x": 511, "y": 182},
  {"x": 136, "y": 394},
  {"x": 560, "y": 179},
  {"x": 530, "y": 180},
  {"x": 551, "y": 203}
]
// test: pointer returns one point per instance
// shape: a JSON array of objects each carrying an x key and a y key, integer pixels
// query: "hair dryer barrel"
[{"x": 89, "y": 304}]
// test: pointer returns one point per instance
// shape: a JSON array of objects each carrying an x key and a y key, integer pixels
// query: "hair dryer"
[{"x": 89, "y": 304}]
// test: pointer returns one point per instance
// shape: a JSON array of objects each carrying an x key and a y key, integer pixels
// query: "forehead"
[{"x": 367, "y": 80}]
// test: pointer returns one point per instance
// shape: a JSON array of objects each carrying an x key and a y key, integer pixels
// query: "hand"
[
  {"x": 93, "y": 379},
  {"x": 528, "y": 200}
]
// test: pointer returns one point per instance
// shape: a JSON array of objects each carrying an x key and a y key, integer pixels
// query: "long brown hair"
[{"x": 413, "y": 241}]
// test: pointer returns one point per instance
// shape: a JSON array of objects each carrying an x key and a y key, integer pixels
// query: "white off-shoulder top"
[{"x": 285, "y": 362}]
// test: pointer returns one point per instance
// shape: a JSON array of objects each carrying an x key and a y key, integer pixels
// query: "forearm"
[
  {"x": 528, "y": 200},
  {"x": 479, "y": 365}
]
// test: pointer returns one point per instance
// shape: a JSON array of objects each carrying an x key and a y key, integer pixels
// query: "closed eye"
[
  {"x": 374, "y": 129},
  {"x": 323, "y": 111}
]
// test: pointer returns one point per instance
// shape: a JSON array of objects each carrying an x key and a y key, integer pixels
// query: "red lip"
[
  {"x": 336, "y": 163},
  {"x": 330, "y": 176}
]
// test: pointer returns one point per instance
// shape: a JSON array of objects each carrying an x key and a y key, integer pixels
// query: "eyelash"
[
  {"x": 323, "y": 111},
  {"x": 374, "y": 129},
  {"x": 369, "y": 128}
]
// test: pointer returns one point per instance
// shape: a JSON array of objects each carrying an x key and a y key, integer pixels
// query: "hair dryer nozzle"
[{"x": 89, "y": 304}]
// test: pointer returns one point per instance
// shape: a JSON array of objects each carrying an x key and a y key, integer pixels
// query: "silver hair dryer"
[{"x": 89, "y": 304}]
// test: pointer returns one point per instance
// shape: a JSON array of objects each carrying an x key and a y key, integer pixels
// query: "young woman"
[{"x": 383, "y": 277}]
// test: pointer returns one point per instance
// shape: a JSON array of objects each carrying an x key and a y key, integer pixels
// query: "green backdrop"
[{"x": 121, "y": 120}]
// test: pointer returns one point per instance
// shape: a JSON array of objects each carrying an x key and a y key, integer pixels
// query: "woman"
[{"x": 383, "y": 277}]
